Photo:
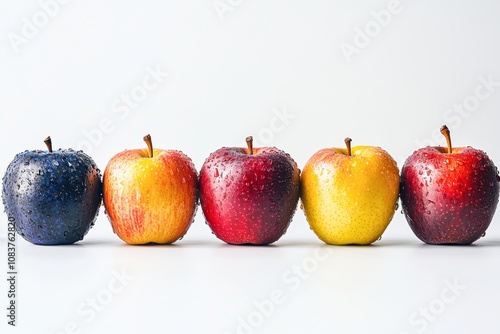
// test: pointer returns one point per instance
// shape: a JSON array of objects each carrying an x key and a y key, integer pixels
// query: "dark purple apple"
[
  {"x": 249, "y": 195},
  {"x": 53, "y": 196},
  {"x": 449, "y": 195}
]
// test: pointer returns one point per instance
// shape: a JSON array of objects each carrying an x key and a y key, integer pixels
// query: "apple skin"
[
  {"x": 449, "y": 198},
  {"x": 350, "y": 199},
  {"x": 54, "y": 197},
  {"x": 249, "y": 198},
  {"x": 150, "y": 200}
]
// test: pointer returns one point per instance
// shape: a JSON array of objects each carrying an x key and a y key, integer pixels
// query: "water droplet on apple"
[
  {"x": 183, "y": 179},
  {"x": 269, "y": 161},
  {"x": 484, "y": 234},
  {"x": 396, "y": 206},
  {"x": 379, "y": 238},
  {"x": 420, "y": 172}
]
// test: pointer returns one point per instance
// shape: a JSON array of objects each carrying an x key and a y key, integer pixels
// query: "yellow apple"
[{"x": 349, "y": 196}]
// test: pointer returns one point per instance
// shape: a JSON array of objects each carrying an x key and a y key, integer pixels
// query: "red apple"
[
  {"x": 150, "y": 194},
  {"x": 449, "y": 195},
  {"x": 249, "y": 195}
]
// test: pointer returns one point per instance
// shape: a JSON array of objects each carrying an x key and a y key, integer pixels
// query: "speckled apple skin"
[
  {"x": 249, "y": 198},
  {"x": 150, "y": 200},
  {"x": 53, "y": 197},
  {"x": 350, "y": 199},
  {"x": 449, "y": 198}
]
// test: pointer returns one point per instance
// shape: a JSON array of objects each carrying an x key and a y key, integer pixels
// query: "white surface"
[{"x": 226, "y": 80}]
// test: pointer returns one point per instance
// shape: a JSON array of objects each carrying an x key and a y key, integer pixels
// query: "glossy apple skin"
[
  {"x": 350, "y": 199},
  {"x": 150, "y": 200},
  {"x": 449, "y": 198},
  {"x": 54, "y": 197},
  {"x": 249, "y": 198}
]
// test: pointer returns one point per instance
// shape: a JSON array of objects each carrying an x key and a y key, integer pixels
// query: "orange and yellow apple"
[{"x": 150, "y": 195}]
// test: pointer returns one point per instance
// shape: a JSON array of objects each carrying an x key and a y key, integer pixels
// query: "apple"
[
  {"x": 150, "y": 195},
  {"x": 349, "y": 195},
  {"x": 249, "y": 195},
  {"x": 52, "y": 196},
  {"x": 449, "y": 195}
]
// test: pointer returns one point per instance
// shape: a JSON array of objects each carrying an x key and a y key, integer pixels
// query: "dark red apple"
[
  {"x": 449, "y": 195},
  {"x": 249, "y": 195}
]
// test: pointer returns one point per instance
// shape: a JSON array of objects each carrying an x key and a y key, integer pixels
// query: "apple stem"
[
  {"x": 48, "y": 142},
  {"x": 149, "y": 142},
  {"x": 249, "y": 141},
  {"x": 347, "y": 142},
  {"x": 446, "y": 133}
]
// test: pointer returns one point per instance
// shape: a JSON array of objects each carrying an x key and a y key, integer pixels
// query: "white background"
[{"x": 228, "y": 75}]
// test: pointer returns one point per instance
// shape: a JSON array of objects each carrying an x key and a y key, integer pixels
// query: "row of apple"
[{"x": 249, "y": 195}]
